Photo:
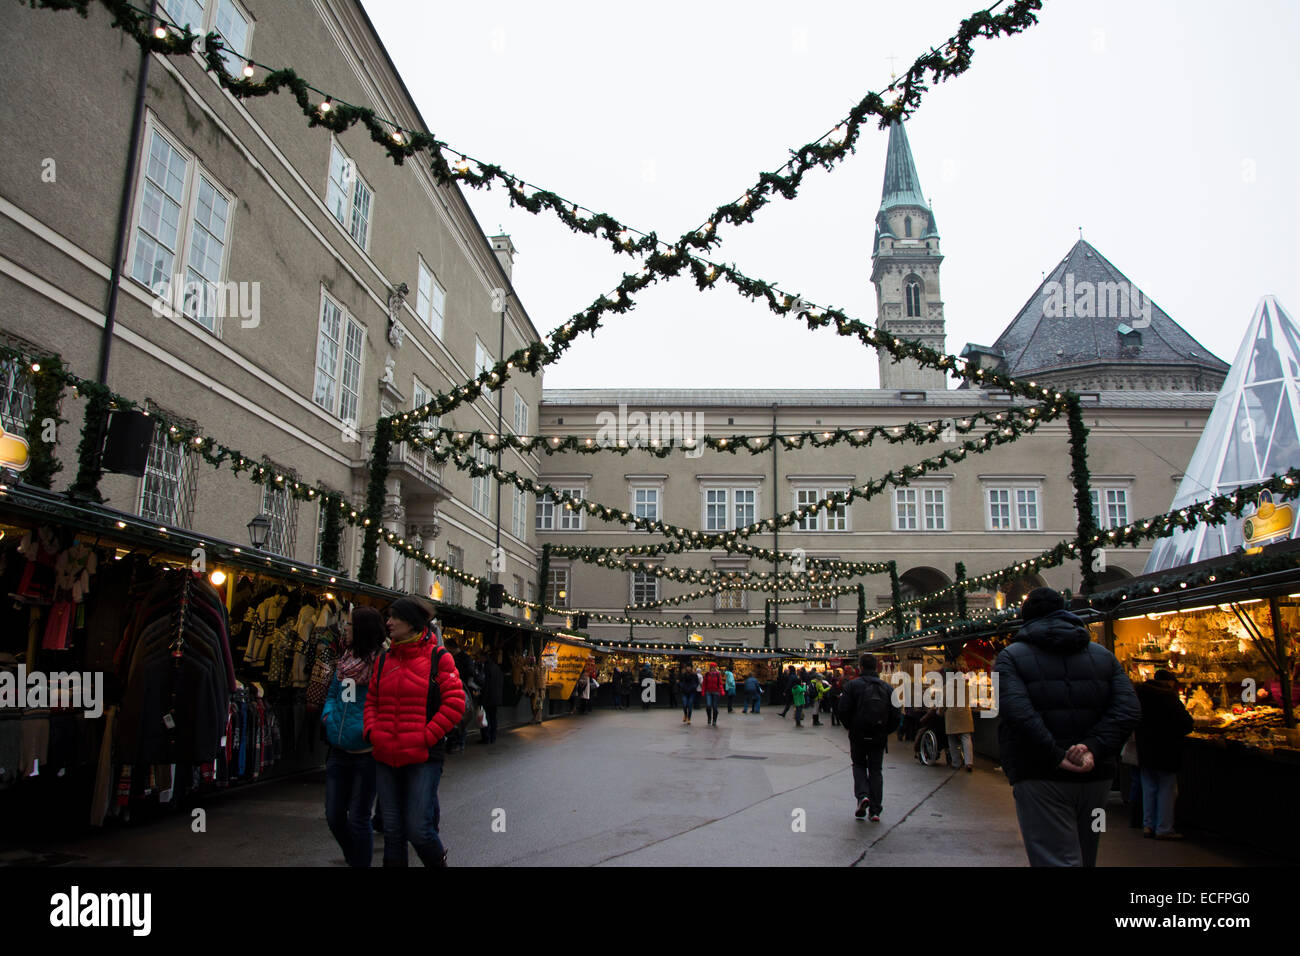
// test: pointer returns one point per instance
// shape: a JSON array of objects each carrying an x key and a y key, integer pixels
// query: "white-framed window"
[
  {"x": 1013, "y": 508},
  {"x": 933, "y": 509},
  {"x": 519, "y": 514},
  {"x": 226, "y": 17},
  {"x": 825, "y": 602},
  {"x": 745, "y": 504},
  {"x": 181, "y": 231},
  {"x": 1110, "y": 506},
  {"x": 481, "y": 485},
  {"x": 348, "y": 197},
  {"x": 726, "y": 508},
  {"x": 645, "y": 587},
  {"x": 544, "y": 513},
  {"x": 806, "y": 498},
  {"x": 558, "y": 593},
  {"x": 455, "y": 558},
  {"x": 169, "y": 482},
  {"x": 430, "y": 299},
  {"x": 282, "y": 509},
  {"x": 555, "y": 515},
  {"x": 920, "y": 509},
  {"x": 833, "y": 518},
  {"x": 338, "y": 361},
  {"x": 733, "y": 598},
  {"x": 521, "y": 415},
  {"x": 483, "y": 359},
  {"x": 17, "y": 396},
  {"x": 715, "y": 509},
  {"x": 645, "y": 503},
  {"x": 905, "y": 509}
]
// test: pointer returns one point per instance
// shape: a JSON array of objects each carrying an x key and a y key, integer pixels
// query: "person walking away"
[
  {"x": 686, "y": 686},
  {"x": 869, "y": 715},
  {"x": 959, "y": 725},
  {"x": 350, "y": 766},
  {"x": 817, "y": 688},
  {"x": 1164, "y": 724},
  {"x": 415, "y": 698},
  {"x": 753, "y": 693},
  {"x": 833, "y": 698},
  {"x": 490, "y": 699},
  {"x": 1066, "y": 708},
  {"x": 730, "y": 688},
  {"x": 714, "y": 686},
  {"x": 783, "y": 689},
  {"x": 799, "y": 696}
]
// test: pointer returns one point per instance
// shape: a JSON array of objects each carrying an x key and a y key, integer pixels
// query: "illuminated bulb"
[
  {"x": 248, "y": 70},
  {"x": 36, "y": 366},
  {"x": 160, "y": 33},
  {"x": 327, "y": 105},
  {"x": 217, "y": 578}
]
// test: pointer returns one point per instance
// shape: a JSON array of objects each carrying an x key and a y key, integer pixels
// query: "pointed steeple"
[{"x": 902, "y": 184}]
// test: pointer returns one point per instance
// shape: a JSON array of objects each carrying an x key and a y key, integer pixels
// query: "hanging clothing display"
[{"x": 179, "y": 675}]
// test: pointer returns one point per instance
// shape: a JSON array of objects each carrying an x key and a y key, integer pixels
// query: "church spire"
[{"x": 902, "y": 184}]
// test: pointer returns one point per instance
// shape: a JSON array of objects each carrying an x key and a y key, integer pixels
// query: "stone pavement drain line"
[
  {"x": 894, "y": 826},
  {"x": 726, "y": 816}
]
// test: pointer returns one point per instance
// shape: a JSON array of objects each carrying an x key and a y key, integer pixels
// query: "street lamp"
[{"x": 259, "y": 529}]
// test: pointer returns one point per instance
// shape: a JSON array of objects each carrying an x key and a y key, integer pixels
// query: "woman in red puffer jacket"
[{"x": 405, "y": 722}]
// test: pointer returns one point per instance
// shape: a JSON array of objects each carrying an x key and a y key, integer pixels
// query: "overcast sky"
[{"x": 1166, "y": 130}]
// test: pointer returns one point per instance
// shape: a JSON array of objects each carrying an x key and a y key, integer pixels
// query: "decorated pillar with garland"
[{"x": 1087, "y": 529}]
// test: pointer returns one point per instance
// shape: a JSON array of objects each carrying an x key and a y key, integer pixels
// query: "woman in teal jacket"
[{"x": 349, "y": 768}]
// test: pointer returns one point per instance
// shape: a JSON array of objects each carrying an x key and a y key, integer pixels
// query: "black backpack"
[{"x": 871, "y": 718}]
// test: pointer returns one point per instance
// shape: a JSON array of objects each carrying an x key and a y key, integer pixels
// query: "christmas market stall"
[{"x": 142, "y": 666}]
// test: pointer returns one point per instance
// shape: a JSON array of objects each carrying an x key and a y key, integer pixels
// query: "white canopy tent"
[{"x": 1252, "y": 433}]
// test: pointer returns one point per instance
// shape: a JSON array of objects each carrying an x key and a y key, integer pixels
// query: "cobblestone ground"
[{"x": 640, "y": 788}]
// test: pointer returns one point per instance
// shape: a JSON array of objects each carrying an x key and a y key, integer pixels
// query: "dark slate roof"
[
  {"x": 902, "y": 185},
  {"x": 1035, "y": 342}
]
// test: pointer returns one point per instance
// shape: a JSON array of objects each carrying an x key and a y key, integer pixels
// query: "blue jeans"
[
  {"x": 754, "y": 699},
  {"x": 1159, "y": 791},
  {"x": 409, "y": 799},
  {"x": 688, "y": 704},
  {"x": 349, "y": 798},
  {"x": 711, "y": 701}
]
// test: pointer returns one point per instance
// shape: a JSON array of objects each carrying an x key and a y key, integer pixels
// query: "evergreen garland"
[
  {"x": 961, "y": 592},
  {"x": 1082, "y": 490},
  {"x": 47, "y": 387},
  {"x": 331, "y": 538},
  {"x": 375, "y": 493},
  {"x": 93, "y": 431},
  {"x": 543, "y": 577},
  {"x": 896, "y": 597}
]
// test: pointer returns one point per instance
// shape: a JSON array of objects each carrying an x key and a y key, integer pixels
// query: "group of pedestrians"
[
  {"x": 816, "y": 691},
  {"x": 712, "y": 688},
  {"x": 388, "y": 715}
]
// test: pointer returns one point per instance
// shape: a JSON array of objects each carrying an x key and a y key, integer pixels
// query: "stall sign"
[
  {"x": 564, "y": 664},
  {"x": 13, "y": 451},
  {"x": 1270, "y": 523}
]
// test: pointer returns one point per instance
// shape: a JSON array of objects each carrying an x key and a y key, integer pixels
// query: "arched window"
[
  {"x": 907, "y": 227},
  {"x": 912, "y": 293}
]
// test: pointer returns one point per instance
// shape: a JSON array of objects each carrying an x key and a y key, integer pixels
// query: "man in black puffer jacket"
[{"x": 1066, "y": 709}]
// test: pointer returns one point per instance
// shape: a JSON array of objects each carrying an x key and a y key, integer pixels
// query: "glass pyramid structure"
[{"x": 1253, "y": 432}]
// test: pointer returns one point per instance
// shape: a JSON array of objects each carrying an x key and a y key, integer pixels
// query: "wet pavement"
[{"x": 640, "y": 788}]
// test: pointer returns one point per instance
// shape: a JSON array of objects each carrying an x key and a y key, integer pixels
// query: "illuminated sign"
[
  {"x": 14, "y": 451},
  {"x": 1269, "y": 523}
]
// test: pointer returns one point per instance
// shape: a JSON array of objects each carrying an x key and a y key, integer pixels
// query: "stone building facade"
[{"x": 320, "y": 285}]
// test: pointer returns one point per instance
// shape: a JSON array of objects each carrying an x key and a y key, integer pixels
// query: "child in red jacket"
[{"x": 406, "y": 725}]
